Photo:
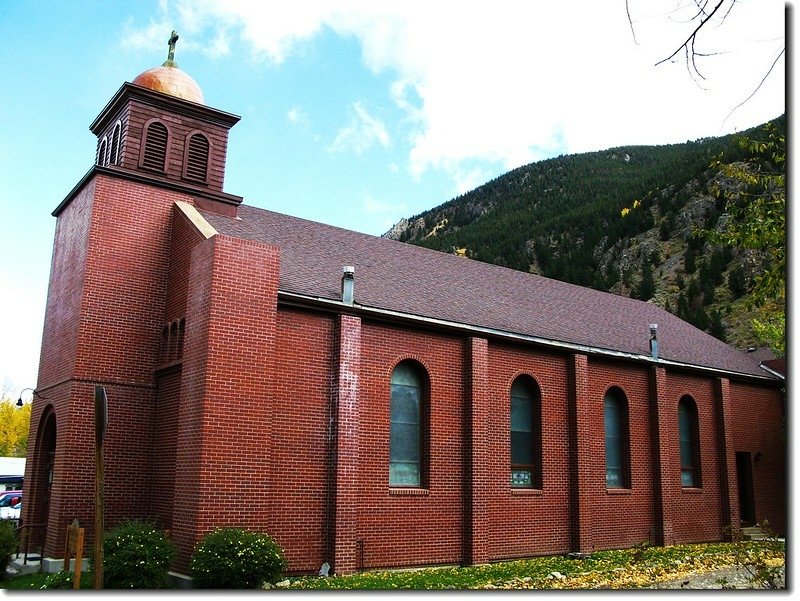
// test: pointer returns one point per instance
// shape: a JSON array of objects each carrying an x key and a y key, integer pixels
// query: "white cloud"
[
  {"x": 373, "y": 207},
  {"x": 297, "y": 116},
  {"x": 145, "y": 38},
  {"x": 515, "y": 81},
  {"x": 467, "y": 179},
  {"x": 361, "y": 134}
]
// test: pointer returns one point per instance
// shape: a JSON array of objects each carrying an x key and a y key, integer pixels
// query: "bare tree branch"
[
  {"x": 689, "y": 45},
  {"x": 630, "y": 22},
  {"x": 701, "y": 9},
  {"x": 689, "y": 42},
  {"x": 758, "y": 87}
]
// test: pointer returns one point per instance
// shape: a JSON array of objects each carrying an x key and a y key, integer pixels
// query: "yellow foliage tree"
[{"x": 14, "y": 424}]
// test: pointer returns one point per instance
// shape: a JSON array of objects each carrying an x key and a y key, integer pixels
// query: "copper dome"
[{"x": 172, "y": 81}]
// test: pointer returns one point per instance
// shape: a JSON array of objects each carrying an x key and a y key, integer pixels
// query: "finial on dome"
[
  {"x": 170, "y": 62},
  {"x": 169, "y": 79}
]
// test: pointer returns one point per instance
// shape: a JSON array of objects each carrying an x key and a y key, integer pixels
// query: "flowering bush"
[
  {"x": 136, "y": 555},
  {"x": 234, "y": 558},
  {"x": 58, "y": 581}
]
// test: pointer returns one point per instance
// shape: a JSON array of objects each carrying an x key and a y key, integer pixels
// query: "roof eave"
[
  {"x": 294, "y": 298},
  {"x": 777, "y": 374}
]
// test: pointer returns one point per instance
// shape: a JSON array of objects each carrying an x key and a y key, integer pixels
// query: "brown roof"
[{"x": 414, "y": 280}]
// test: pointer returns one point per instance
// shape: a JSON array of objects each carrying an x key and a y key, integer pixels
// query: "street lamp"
[{"x": 19, "y": 400}]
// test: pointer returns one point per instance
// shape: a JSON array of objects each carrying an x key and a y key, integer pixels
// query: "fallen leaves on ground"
[{"x": 619, "y": 569}]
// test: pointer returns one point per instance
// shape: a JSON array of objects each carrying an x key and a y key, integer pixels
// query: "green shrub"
[
  {"x": 58, "y": 581},
  {"x": 136, "y": 555},
  {"x": 234, "y": 558},
  {"x": 8, "y": 544}
]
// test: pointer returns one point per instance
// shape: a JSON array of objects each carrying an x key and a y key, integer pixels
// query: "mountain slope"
[{"x": 620, "y": 220}]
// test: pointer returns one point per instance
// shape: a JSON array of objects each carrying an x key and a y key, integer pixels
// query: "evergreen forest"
[{"x": 632, "y": 220}]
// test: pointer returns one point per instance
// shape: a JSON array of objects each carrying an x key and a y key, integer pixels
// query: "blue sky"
[{"x": 357, "y": 113}]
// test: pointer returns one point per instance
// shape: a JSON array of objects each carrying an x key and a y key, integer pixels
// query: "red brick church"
[{"x": 366, "y": 402}]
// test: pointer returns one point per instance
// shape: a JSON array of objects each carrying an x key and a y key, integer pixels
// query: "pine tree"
[
  {"x": 647, "y": 286},
  {"x": 737, "y": 283}
]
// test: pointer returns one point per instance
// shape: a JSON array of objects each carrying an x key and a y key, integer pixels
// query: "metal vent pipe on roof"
[
  {"x": 348, "y": 284},
  {"x": 654, "y": 341}
]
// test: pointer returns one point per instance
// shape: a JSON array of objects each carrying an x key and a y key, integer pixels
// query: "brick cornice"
[
  {"x": 195, "y": 192},
  {"x": 129, "y": 91}
]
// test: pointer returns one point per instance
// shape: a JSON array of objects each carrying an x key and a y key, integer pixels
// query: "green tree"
[
  {"x": 716, "y": 328},
  {"x": 737, "y": 282},
  {"x": 689, "y": 263},
  {"x": 757, "y": 221},
  {"x": 647, "y": 285}
]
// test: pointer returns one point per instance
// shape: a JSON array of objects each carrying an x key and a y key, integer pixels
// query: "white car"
[{"x": 10, "y": 505}]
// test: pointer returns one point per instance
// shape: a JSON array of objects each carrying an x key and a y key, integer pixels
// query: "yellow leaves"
[
  {"x": 621, "y": 569},
  {"x": 627, "y": 211},
  {"x": 14, "y": 426}
]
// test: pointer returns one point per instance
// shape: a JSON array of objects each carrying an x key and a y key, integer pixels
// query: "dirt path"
[{"x": 725, "y": 578}]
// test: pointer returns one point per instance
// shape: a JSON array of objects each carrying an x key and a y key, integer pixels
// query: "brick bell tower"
[{"x": 107, "y": 318}]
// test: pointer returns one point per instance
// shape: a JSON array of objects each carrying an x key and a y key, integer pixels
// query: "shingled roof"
[{"x": 412, "y": 280}]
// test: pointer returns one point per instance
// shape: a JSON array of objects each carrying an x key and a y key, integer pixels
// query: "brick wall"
[
  {"x": 161, "y": 488},
  {"x": 65, "y": 292},
  {"x": 226, "y": 412},
  {"x": 758, "y": 427},
  {"x": 529, "y": 522},
  {"x": 634, "y": 503},
  {"x": 102, "y": 327},
  {"x": 402, "y": 527},
  {"x": 696, "y": 512},
  {"x": 184, "y": 236},
  {"x": 301, "y": 451}
]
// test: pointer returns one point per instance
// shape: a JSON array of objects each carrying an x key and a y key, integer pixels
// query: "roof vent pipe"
[
  {"x": 654, "y": 341},
  {"x": 348, "y": 284}
]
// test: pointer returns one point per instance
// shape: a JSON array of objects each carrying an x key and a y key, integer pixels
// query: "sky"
[{"x": 358, "y": 113}]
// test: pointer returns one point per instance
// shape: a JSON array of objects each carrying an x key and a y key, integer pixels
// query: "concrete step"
[
  {"x": 18, "y": 568},
  {"x": 754, "y": 533}
]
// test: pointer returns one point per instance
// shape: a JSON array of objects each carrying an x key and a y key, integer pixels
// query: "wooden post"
[
  {"x": 69, "y": 545},
  {"x": 76, "y": 581},
  {"x": 100, "y": 424}
]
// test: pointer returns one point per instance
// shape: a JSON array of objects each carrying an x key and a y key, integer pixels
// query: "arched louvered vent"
[
  {"x": 197, "y": 157},
  {"x": 101, "y": 152},
  {"x": 113, "y": 156},
  {"x": 155, "y": 146}
]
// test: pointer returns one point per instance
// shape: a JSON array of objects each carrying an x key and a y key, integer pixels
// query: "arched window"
[
  {"x": 116, "y": 136},
  {"x": 101, "y": 151},
  {"x": 617, "y": 439},
  {"x": 689, "y": 434},
  {"x": 407, "y": 426},
  {"x": 526, "y": 434},
  {"x": 155, "y": 146},
  {"x": 196, "y": 160}
]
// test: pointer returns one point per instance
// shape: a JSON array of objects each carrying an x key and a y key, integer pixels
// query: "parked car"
[{"x": 10, "y": 505}]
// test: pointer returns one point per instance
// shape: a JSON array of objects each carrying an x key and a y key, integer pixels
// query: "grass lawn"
[
  {"x": 35, "y": 582},
  {"x": 629, "y": 568}
]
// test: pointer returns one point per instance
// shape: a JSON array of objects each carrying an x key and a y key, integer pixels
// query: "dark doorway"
[
  {"x": 43, "y": 474},
  {"x": 744, "y": 477}
]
